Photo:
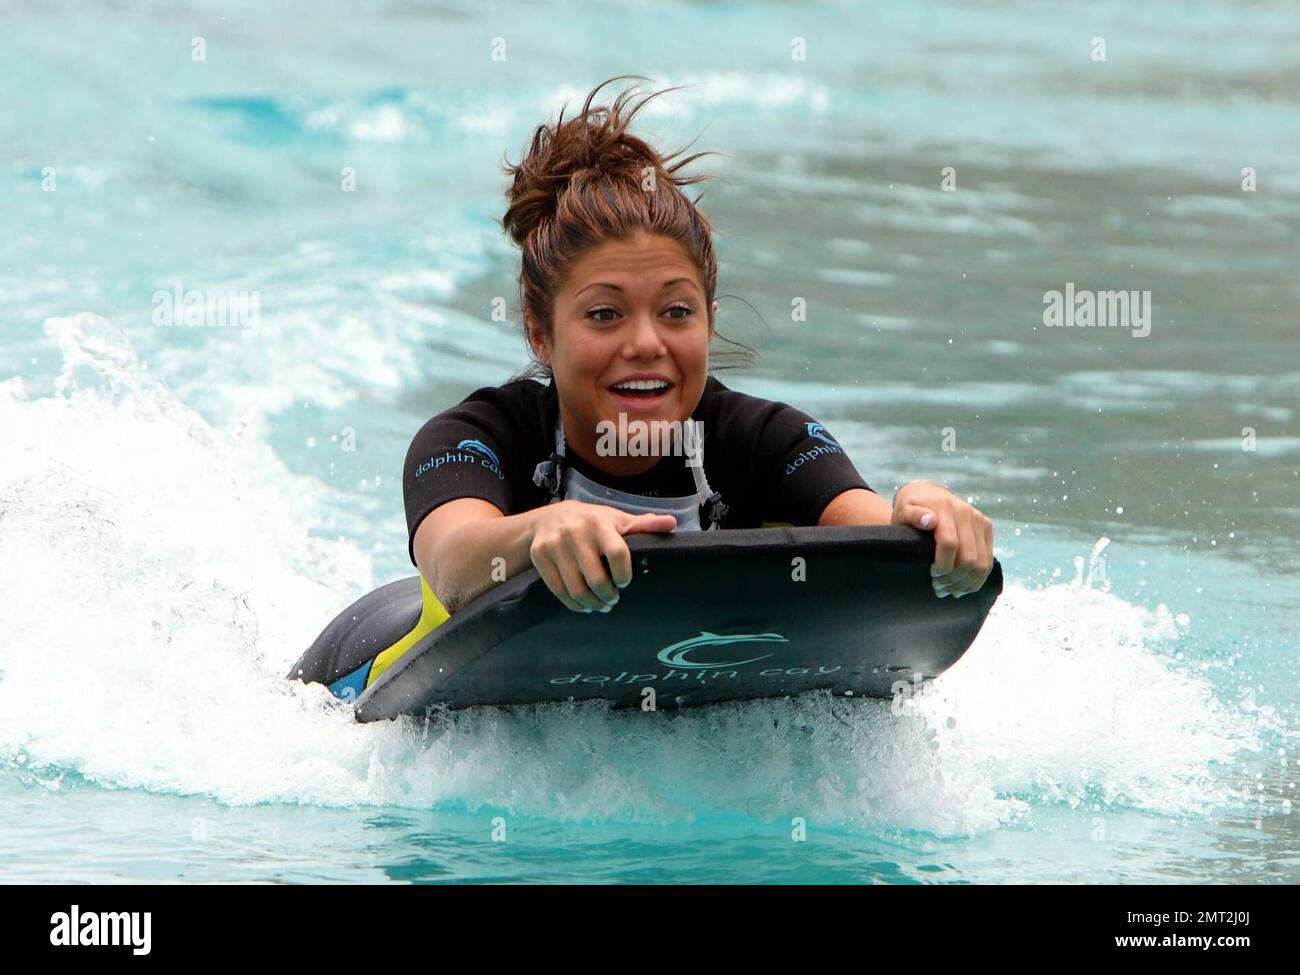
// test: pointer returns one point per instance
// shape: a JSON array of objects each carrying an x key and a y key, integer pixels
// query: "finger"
[
  {"x": 955, "y": 583},
  {"x": 575, "y": 583},
  {"x": 945, "y": 544},
  {"x": 983, "y": 538},
  {"x": 618, "y": 555},
  {"x": 637, "y": 524},
  {"x": 959, "y": 582},
  {"x": 966, "y": 567},
  {"x": 586, "y": 556},
  {"x": 550, "y": 574},
  {"x": 915, "y": 515},
  {"x": 982, "y": 529},
  {"x": 987, "y": 526}
]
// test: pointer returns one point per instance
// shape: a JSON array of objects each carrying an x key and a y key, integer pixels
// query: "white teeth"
[{"x": 646, "y": 384}]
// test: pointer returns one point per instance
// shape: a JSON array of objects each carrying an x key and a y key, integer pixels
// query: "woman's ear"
[
  {"x": 713, "y": 318},
  {"x": 537, "y": 340}
]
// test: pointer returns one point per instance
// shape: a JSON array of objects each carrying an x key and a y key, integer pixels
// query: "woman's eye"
[{"x": 596, "y": 313}]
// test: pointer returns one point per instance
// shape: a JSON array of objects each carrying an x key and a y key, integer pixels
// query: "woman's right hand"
[{"x": 569, "y": 539}]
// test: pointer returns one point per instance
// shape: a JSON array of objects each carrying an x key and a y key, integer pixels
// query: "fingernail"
[
  {"x": 927, "y": 520},
  {"x": 607, "y": 608},
  {"x": 586, "y": 609}
]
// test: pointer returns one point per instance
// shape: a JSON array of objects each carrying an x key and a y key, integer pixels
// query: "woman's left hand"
[{"x": 963, "y": 536}]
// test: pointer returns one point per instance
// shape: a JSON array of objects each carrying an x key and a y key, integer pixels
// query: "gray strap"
[{"x": 697, "y": 470}]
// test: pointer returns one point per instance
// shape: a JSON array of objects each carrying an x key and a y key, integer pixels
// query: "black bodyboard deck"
[{"x": 718, "y": 616}]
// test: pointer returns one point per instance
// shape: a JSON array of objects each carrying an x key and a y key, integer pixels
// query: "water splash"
[{"x": 162, "y": 576}]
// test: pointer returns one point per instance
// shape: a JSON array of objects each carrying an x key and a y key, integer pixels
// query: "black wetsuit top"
[{"x": 769, "y": 461}]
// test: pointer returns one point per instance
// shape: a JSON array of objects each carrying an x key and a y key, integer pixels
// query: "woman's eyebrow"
[{"x": 615, "y": 287}]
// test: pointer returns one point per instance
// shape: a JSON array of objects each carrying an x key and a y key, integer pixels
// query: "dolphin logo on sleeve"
[
  {"x": 479, "y": 447},
  {"x": 819, "y": 431}
]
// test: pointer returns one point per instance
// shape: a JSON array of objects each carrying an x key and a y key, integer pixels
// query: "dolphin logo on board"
[{"x": 675, "y": 655}]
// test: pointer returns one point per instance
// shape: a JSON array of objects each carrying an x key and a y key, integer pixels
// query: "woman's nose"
[{"x": 645, "y": 338}]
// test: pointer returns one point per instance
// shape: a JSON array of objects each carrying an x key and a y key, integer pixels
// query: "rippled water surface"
[{"x": 178, "y": 517}]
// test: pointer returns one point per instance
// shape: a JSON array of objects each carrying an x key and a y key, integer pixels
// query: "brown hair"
[{"x": 583, "y": 182}]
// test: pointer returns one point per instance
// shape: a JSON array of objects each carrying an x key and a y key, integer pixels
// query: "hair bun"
[{"x": 593, "y": 145}]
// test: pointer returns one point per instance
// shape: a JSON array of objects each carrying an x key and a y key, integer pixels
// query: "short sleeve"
[
  {"x": 457, "y": 454},
  {"x": 806, "y": 467}
]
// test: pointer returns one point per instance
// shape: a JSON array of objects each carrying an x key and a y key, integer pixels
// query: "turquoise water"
[{"x": 182, "y": 509}]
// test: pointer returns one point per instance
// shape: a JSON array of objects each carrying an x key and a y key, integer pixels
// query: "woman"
[{"x": 617, "y": 287}]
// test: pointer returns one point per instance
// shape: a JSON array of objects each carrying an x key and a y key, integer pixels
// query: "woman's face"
[{"x": 628, "y": 309}]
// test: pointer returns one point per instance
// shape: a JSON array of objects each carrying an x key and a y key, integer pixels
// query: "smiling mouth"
[{"x": 642, "y": 388}]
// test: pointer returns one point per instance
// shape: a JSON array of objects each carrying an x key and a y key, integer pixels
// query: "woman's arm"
[
  {"x": 456, "y": 543},
  {"x": 857, "y": 506},
  {"x": 963, "y": 535}
]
